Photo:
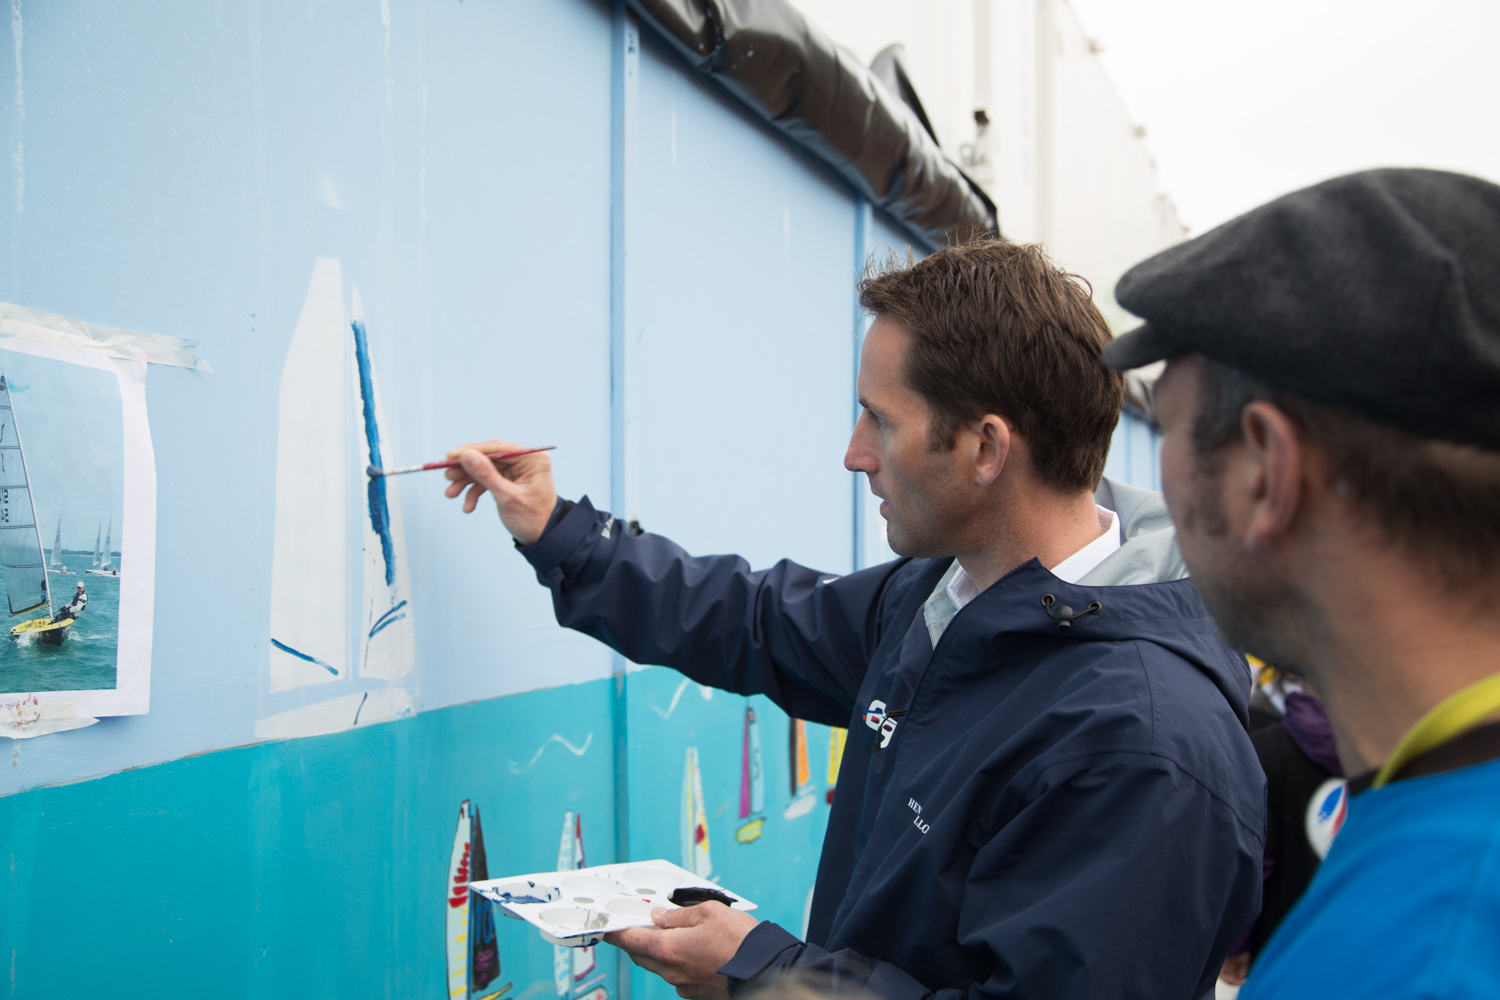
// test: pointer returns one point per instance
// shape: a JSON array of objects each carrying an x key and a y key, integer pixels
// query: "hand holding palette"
[{"x": 576, "y": 908}]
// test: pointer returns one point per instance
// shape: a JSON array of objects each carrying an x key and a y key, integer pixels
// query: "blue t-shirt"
[{"x": 1407, "y": 903}]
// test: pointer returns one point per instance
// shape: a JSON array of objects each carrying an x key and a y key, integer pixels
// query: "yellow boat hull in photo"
[{"x": 44, "y": 630}]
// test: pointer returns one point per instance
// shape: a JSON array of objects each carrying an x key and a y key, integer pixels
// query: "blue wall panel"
[{"x": 745, "y": 349}]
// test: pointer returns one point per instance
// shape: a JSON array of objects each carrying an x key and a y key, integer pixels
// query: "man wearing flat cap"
[{"x": 1331, "y": 409}]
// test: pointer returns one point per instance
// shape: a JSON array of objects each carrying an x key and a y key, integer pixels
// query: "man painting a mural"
[{"x": 1045, "y": 732}]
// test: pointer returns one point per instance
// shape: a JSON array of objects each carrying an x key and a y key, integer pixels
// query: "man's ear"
[
  {"x": 1271, "y": 478},
  {"x": 994, "y": 449}
]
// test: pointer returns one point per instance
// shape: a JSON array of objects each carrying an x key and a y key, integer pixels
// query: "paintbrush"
[{"x": 373, "y": 470}]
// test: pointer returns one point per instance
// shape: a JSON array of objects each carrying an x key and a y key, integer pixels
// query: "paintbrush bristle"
[{"x": 373, "y": 471}]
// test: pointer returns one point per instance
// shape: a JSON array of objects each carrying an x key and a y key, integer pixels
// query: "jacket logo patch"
[{"x": 883, "y": 722}]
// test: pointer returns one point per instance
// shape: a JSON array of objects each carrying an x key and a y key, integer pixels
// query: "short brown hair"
[
  {"x": 1437, "y": 499},
  {"x": 998, "y": 328}
]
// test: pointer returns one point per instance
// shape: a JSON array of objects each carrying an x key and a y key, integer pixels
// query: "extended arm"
[{"x": 801, "y": 637}]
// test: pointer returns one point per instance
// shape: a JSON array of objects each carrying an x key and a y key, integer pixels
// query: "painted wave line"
[{"x": 576, "y": 751}]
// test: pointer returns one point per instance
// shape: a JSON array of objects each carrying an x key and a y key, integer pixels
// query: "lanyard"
[{"x": 1450, "y": 718}]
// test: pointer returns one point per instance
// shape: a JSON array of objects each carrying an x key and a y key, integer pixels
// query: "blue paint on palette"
[
  {"x": 380, "y": 519},
  {"x": 303, "y": 656}
]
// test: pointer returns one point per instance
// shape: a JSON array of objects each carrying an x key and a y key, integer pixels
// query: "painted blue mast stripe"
[
  {"x": 303, "y": 656},
  {"x": 380, "y": 520}
]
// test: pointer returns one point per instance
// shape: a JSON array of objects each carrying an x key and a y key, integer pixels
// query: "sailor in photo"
[
  {"x": 75, "y": 607},
  {"x": 1049, "y": 790}
]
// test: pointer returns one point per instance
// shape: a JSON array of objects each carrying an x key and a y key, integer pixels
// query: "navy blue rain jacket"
[{"x": 1057, "y": 814}]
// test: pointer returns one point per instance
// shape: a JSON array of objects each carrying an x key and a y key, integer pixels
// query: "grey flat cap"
[{"x": 1378, "y": 293}]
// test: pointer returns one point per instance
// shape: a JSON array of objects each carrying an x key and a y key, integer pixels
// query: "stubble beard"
[{"x": 1253, "y": 610}]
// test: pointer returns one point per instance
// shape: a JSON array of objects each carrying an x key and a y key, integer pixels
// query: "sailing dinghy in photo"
[
  {"x": 26, "y": 585},
  {"x": 102, "y": 564},
  {"x": 55, "y": 564}
]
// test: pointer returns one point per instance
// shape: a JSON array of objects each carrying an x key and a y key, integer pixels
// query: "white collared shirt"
[{"x": 957, "y": 587}]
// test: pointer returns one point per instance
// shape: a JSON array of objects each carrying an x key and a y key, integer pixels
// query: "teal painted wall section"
[
  {"x": 318, "y": 867},
  {"x": 304, "y": 868},
  {"x": 668, "y": 714}
]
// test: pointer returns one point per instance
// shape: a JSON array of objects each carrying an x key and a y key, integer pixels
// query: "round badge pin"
[{"x": 1326, "y": 812}]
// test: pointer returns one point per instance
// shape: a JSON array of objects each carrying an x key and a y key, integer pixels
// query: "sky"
[
  {"x": 1242, "y": 102},
  {"x": 72, "y": 428}
]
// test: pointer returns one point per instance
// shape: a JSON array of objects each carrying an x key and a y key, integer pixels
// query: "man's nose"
[{"x": 860, "y": 457}]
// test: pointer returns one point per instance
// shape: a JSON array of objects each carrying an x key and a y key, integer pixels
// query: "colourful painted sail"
[
  {"x": 800, "y": 772},
  {"x": 836, "y": 740},
  {"x": 695, "y": 847},
  {"x": 800, "y": 769},
  {"x": 26, "y": 584},
  {"x": 752, "y": 781},
  {"x": 484, "y": 945},
  {"x": 456, "y": 893}
]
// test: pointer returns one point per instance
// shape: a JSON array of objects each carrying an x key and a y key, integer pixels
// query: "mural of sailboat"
[
  {"x": 801, "y": 772},
  {"x": 387, "y": 641},
  {"x": 752, "y": 781},
  {"x": 55, "y": 563},
  {"x": 484, "y": 945},
  {"x": 836, "y": 739},
  {"x": 695, "y": 856},
  {"x": 571, "y": 966},
  {"x": 309, "y": 550},
  {"x": 106, "y": 567},
  {"x": 26, "y": 585},
  {"x": 456, "y": 926}
]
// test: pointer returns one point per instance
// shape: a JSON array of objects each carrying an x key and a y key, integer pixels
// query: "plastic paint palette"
[{"x": 576, "y": 908}]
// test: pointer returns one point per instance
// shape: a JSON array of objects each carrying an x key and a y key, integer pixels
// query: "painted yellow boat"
[{"x": 43, "y": 630}]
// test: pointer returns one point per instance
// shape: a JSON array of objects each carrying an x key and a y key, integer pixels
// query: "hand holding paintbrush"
[{"x": 520, "y": 483}]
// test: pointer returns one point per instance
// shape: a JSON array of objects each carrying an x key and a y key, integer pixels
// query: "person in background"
[
  {"x": 1331, "y": 457},
  {"x": 1268, "y": 697},
  {"x": 75, "y": 607},
  {"x": 1048, "y": 790},
  {"x": 1304, "y": 799}
]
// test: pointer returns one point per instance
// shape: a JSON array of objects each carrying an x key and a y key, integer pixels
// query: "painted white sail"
[
  {"x": 99, "y": 534},
  {"x": 387, "y": 641},
  {"x": 26, "y": 584},
  {"x": 56, "y": 561},
  {"x": 109, "y": 543},
  {"x": 309, "y": 551}
]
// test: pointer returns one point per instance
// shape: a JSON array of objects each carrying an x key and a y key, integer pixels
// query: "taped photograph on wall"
[{"x": 77, "y": 535}]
